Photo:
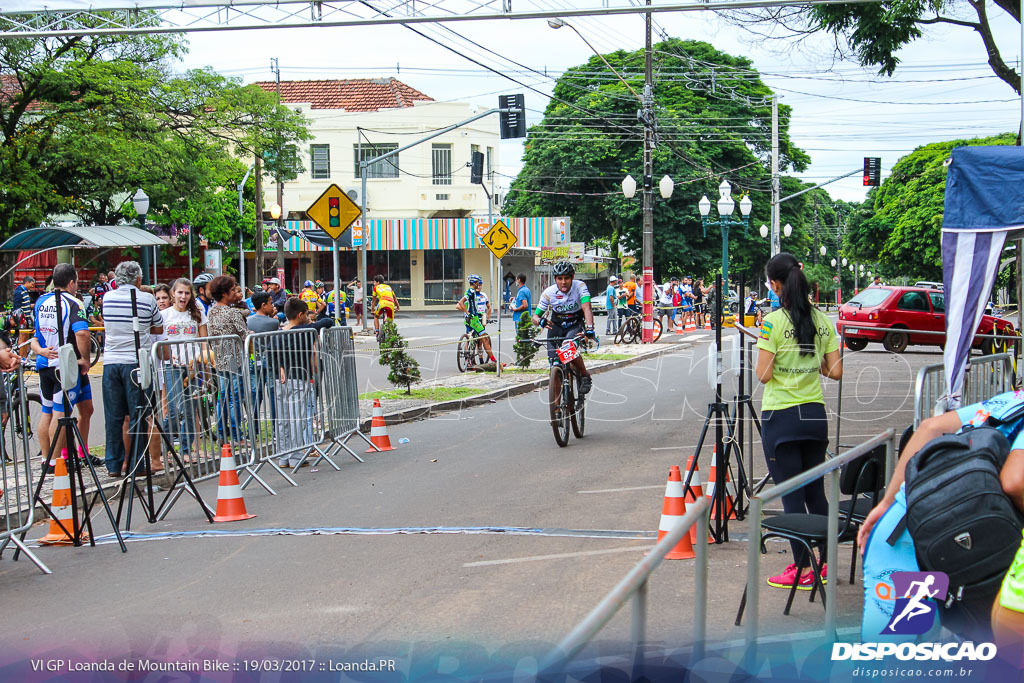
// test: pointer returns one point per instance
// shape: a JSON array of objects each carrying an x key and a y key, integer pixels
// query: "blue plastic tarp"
[{"x": 985, "y": 189}]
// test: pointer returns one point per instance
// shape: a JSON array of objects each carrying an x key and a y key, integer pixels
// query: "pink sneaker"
[
  {"x": 807, "y": 580},
  {"x": 785, "y": 579}
]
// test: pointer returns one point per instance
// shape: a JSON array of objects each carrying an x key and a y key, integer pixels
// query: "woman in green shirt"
[{"x": 797, "y": 344}]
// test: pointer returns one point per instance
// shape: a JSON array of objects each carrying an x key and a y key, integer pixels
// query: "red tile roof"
[{"x": 358, "y": 94}]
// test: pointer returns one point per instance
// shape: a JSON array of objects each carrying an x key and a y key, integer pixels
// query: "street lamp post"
[
  {"x": 275, "y": 213},
  {"x": 665, "y": 188},
  {"x": 141, "y": 203},
  {"x": 726, "y": 207}
]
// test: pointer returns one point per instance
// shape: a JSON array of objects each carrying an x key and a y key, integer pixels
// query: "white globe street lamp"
[
  {"x": 763, "y": 230},
  {"x": 787, "y": 230},
  {"x": 665, "y": 186},
  {"x": 629, "y": 186}
]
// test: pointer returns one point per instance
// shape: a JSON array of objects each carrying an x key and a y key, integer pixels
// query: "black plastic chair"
[{"x": 862, "y": 480}]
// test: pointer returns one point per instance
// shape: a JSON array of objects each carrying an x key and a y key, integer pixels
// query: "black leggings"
[{"x": 790, "y": 459}]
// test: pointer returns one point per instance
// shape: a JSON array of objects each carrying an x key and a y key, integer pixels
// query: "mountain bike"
[
  {"x": 631, "y": 329},
  {"x": 567, "y": 406},
  {"x": 18, "y": 420},
  {"x": 470, "y": 351}
]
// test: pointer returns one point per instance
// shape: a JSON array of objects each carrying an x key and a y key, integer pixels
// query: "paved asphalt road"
[{"x": 397, "y": 594}]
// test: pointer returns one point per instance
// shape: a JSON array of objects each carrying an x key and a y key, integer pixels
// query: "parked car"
[
  {"x": 909, "y": 308},
  {"x": 928, "y": 284}
]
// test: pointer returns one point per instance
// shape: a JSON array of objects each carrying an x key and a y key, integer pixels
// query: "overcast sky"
[{"x": 841, "y": 113}]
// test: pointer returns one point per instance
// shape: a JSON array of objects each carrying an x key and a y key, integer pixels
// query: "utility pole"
[
  {"x": 279, "y": 261},
  {"x": 647, "y": 115},
  {"x": 259, "y": 221},
  {"x": 815, "y": 230},
  {"x": 776, "y": 246}
]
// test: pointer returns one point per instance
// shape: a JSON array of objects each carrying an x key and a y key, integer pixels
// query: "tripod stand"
[
  {"x": 138, "y": 440},
  {"x": 67, "y": 430}
]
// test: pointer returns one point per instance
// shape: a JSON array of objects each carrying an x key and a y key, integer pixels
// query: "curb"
[{"x": 423, "y": 412}]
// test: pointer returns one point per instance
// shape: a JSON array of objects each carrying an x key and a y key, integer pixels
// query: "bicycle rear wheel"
[
  {"x": 97, "y": 348},
  {"x": 479, "y": 352},
  {"x": 579, "y": 414},
  {"x": 464, "y": 353},
  {"x": 657, "y": 329},
  {"x": 23, "y": 422},
  {"x": 558, "y": 405}
]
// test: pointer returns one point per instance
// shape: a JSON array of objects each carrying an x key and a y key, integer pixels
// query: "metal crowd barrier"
[
  {"x": 19, "y": 453},
  {"x": 984, "y": 378},
  {"x": 829, "y": 468},
  {"x": 202, "y": 403},
  {"x": 341, "y": 390},
  {"x": 286, "y": 393},
  {"x": 633, "y": 586}
]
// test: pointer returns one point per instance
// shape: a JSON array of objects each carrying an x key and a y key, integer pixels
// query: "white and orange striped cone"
[
  {"x": 230, "y": 504},
  {"x": 712, "y": 480},
  {"x": 671, "y": 513},
  {"x": 694, "y": 493},
  {"x": 679, "y": 325},
  {"x": 379, "y": 430},
  {"x": 60, "y": 506},
  {"x": 707, "y": 322},
  {"x": 691, "y": 324}
]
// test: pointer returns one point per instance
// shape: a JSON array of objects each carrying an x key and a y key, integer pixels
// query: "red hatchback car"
[{"x": 909, "y": 308}]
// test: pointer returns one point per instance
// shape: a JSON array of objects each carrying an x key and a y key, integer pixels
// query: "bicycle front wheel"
[
  {"x": 559, "y": 405},
  {"x": 657, "y": 329},
  {"x": 24, "y": 423},
  {"x": 464, "y": 353},
  {"x": 579, "y": 414}
]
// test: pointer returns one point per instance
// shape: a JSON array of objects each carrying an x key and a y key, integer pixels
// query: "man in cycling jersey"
[
  {"x": 385, "y": 303},
  {"x": 477, "y": 307},
  {"x": 311, "y": 298},
  {"x": 569, "y": 304}
]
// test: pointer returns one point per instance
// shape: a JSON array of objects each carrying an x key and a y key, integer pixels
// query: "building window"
[
  {"x": 490, "y": 163},
  {"x": 441, "y": 197},
  {"x": 442, "y": 276},
  {"x": 442, "y": 164},
  {"x": 320, "y": 161},
  {"x": 385, "y": 168},
  {"x": 394, "y": 266}
]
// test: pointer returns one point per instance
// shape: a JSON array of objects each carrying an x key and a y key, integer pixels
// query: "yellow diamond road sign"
[
  {"x": 499, "y": 239},
  {"x": 334, "y": 211}
]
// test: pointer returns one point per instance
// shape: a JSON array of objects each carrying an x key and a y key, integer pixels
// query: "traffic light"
[
  {"x": 334, "y": 212},
  {"x": 872, "y": 171},
  {"x": 476, "y": 169},
  {"x": 513, "y": 124}
]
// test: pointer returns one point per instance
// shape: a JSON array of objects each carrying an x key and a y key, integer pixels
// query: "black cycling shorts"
[{"x": 559, "y": 333}]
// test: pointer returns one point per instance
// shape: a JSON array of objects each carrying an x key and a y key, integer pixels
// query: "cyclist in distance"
[
  {"x": 569, "y": 303},
  {"x": 477, "y": 307},
  {"x": 385, "y": 303}
]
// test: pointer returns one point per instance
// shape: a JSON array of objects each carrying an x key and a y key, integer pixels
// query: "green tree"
[
  {"x": 901, "y": 226},
  {"x": 713, "y": 118},
  {"x": 86, "y": 120},
  {"x": 405, "y": 370},
  {"x": 874, "y": 32}
]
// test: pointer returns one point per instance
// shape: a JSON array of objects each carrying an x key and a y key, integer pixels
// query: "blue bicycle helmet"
[{"x": 474, "y": 279}]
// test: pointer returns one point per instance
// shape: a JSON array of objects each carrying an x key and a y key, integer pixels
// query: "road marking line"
[
  {"x": 559, "y": 556},
  {"x": 628, "y": 488}
]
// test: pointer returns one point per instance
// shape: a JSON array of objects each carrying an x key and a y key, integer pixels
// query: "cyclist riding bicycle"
[
  {"x": 385, "y": 303},
  {"x": 477, "y": 307},
  {"x": 569, "y": 304}
]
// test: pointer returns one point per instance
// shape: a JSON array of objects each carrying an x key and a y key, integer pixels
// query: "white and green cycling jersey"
[{"x": 565, "y": 307}]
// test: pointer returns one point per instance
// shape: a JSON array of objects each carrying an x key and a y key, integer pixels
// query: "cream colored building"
[{"x": 423, "y": 212}]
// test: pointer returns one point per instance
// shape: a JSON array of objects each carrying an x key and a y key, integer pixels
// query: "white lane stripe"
[
  {"x": 628, "y": 488},
  {"x": 559, "y": 556}
]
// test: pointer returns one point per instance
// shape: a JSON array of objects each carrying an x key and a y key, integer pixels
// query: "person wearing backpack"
[
  {"x": 797, "y": 344},
  {"x": 974, "y": 603}
]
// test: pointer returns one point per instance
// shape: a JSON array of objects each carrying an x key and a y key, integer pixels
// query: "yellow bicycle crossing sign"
[{"x": 499, "y": 239}]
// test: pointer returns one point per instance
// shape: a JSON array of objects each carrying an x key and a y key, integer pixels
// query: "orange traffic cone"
[
  {"x": 694, "y": 492},
  {"x": 60, "y": 506},
  {"x": 691, "y": 324},
  {"x": 679, "y": 325},
  {"x": 713, "y": 479},
  {"x": 230, "y": 504},
  {"x": 671, "y": 512},
  {"x": 707, "y": 323},
  {"x": 379, "y": 430}
]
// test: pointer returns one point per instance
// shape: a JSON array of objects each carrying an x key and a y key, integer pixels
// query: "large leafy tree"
[
  {"x": 86, "y": 120},
  {"x": 874, "y": 32},
  {"x": 901, "y": 223},
  {"x": 713, "y": 118}
]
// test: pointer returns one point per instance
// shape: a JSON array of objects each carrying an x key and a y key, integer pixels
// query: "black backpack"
[{"x": 962, "y": 522}]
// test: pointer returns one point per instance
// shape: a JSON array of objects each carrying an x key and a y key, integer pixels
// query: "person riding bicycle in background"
[
  {"x": 568, "y": 300},
  {"x": 477, "y": 307},
  {"x": 385, "y": 303}
]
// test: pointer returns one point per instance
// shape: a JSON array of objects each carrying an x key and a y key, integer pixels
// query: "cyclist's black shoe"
[{"x": 585, "y": 384}]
